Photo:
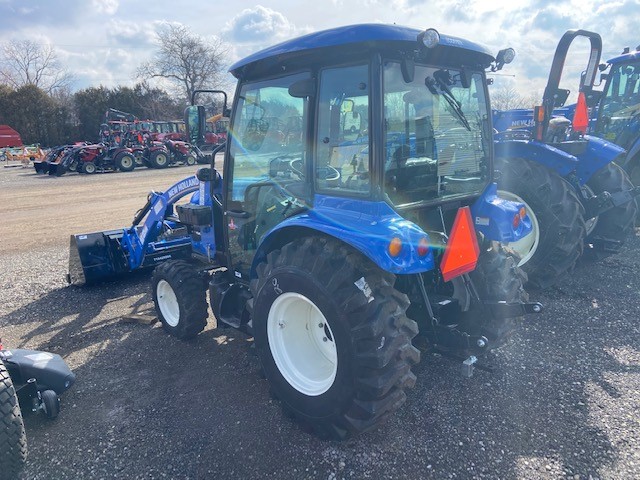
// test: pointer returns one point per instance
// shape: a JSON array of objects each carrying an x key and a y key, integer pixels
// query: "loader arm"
[
  {"x": 99, "y": 256},
  {"x": 140, "y": 240}
]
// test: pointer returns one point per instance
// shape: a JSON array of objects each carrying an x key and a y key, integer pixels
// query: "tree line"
[
  {"x": 58, "y": 119},
  {"x": 37, "y": 100}
]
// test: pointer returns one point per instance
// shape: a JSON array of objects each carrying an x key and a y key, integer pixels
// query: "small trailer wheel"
[{"x": 50, "y": 404}]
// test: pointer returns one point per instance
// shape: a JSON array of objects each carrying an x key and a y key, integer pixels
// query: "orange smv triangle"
[
  {"x": 581, "y": 116},
  {"x": 461, "y": 253}
]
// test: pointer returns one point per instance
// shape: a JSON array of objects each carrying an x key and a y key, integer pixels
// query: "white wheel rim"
[
  {"x": 302, "y": 344},
  {"x": 525, "y": 247},
  {"x": 168, "y": 303},
  {"x": 161, "y": 159},
  {"x": 89, "y": 168},
  {"x": 126, "y": 161}
]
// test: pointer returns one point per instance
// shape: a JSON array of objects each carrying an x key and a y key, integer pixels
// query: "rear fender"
[
  {"x": 538, "y": 152},
  {"x": 494, "y": 217},
  {"x": 598, "y": 154},
  {"x": 366, "y": 226}
]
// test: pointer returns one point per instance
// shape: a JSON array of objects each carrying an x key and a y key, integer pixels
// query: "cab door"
[{"x": 265, "y": 167}]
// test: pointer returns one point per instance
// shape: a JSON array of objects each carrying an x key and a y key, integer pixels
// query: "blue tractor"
[
  {"x": 575, "y": 192},
  {"x": 341, "y": 239},
  {"x": 618, "y": 109}
]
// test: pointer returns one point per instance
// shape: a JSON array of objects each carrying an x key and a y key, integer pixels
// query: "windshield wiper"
[{"x": 438, "y": 84}]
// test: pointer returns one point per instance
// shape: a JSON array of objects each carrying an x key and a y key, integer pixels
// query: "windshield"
[
  {"x": 621, "y": 104},
  {"x": 437, "y": 140}
]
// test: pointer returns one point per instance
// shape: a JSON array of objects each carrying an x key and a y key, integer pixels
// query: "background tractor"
[
  {"x": 342, "y": 243},
  {"x": 575, "y": 192}
]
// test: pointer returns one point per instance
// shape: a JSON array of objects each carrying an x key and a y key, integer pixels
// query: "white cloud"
[
  {"x": 109, "y": 7},
  {"x": 259, "y": 24}
]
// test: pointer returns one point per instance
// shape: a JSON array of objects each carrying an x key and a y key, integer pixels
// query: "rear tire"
[
  {"x": 616, "y": 223},
  {"x": 179, "y": 295},
  {"x": 125, "y": 162},
  {"x": 332, "y": 337},
  {"x": 13, "y": 439},
  {"x": 557, "y": 218}
]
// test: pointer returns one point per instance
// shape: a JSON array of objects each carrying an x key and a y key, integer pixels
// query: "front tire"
[
  {"x": 617, "y": 223},
  {"x": 332, "y": 336},
  {"x": 179, "y": 295},
  {"x": 13, "y": 439},
  {"x": 89, "y": 167},
  {"x": 159, "y": 159},
  {"x": 497, "y": 278},
  {"x": 125, "y": 162},
  {"x": 50, "y": 403},
  {"x": 557, "y": 239}
]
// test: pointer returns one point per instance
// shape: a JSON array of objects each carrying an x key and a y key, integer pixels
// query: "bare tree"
[
  {"x": 186, "y": 60},
  {"x": 506, "y": 97},
  {"x": 25, "y": 62}
]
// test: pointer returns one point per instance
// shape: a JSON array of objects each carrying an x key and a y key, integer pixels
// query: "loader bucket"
[
  {"x": 56, "y": 169},
  {"x": 41, "y": 167},
  {"x": 96, "y": 257}
]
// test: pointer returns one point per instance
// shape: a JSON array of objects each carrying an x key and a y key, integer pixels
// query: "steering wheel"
[{"x": 329, "y": 174}]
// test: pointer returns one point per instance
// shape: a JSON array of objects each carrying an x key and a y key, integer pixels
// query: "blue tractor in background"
[
  {"x": 344, "y": 238},
  {"x": 617, "y": 116},
  {"x": 575, "y": 192}
]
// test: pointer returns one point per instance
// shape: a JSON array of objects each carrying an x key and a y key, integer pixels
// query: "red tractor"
[{"x": 94, "y": 158}]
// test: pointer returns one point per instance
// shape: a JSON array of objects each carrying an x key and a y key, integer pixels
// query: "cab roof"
[
  {"x": 625, "y": 57},
  {"x": 357, "y": 34}
]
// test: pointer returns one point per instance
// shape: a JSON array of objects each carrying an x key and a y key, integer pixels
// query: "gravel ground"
[{"x": 562, "y": 403}]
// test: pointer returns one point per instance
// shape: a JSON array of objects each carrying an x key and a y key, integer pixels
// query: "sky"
[{"x": 102, "y": 42}]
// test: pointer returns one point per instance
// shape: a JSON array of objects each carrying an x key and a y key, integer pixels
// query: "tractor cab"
[
  {"x": 352, "y": 124},
  {"x": 618, "y": 112}
]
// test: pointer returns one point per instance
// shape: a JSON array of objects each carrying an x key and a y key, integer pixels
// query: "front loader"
[{"x": 373, "y": 228}]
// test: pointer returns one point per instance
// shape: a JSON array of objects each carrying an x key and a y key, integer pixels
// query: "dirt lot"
[{"x": 563, "y": 402}]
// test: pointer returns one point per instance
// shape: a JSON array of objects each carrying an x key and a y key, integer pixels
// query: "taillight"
[
  {"x": 516, "y": 221},
  {"x": 395, "y": 247},
  {"x": 423, "y": 247}
]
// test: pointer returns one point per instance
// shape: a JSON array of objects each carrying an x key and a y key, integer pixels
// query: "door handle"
[{"x": 238, "y": 214}]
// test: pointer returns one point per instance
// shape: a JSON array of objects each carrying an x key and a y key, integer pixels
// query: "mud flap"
[{"x": 95, "y": 257}]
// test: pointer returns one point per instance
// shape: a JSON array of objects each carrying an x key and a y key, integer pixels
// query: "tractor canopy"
[
  {"x": 619, "y": 109},
  {"x": 357, "y": 39}
]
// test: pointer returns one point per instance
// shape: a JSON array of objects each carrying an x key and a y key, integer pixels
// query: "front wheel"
[
  {"x": 617, "y": 223},
  {"x": 179, "y": 295},
  {"x": 89, "y": 167},
  {"x": 125, "y": 162},
  {"x": 332, "y": 336},
  {"x": 159, "y": 159},
  {"x": 497, "y": 278},
  {"x": 13, "y": 439},
  {"x": 558, "y": 227}
]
